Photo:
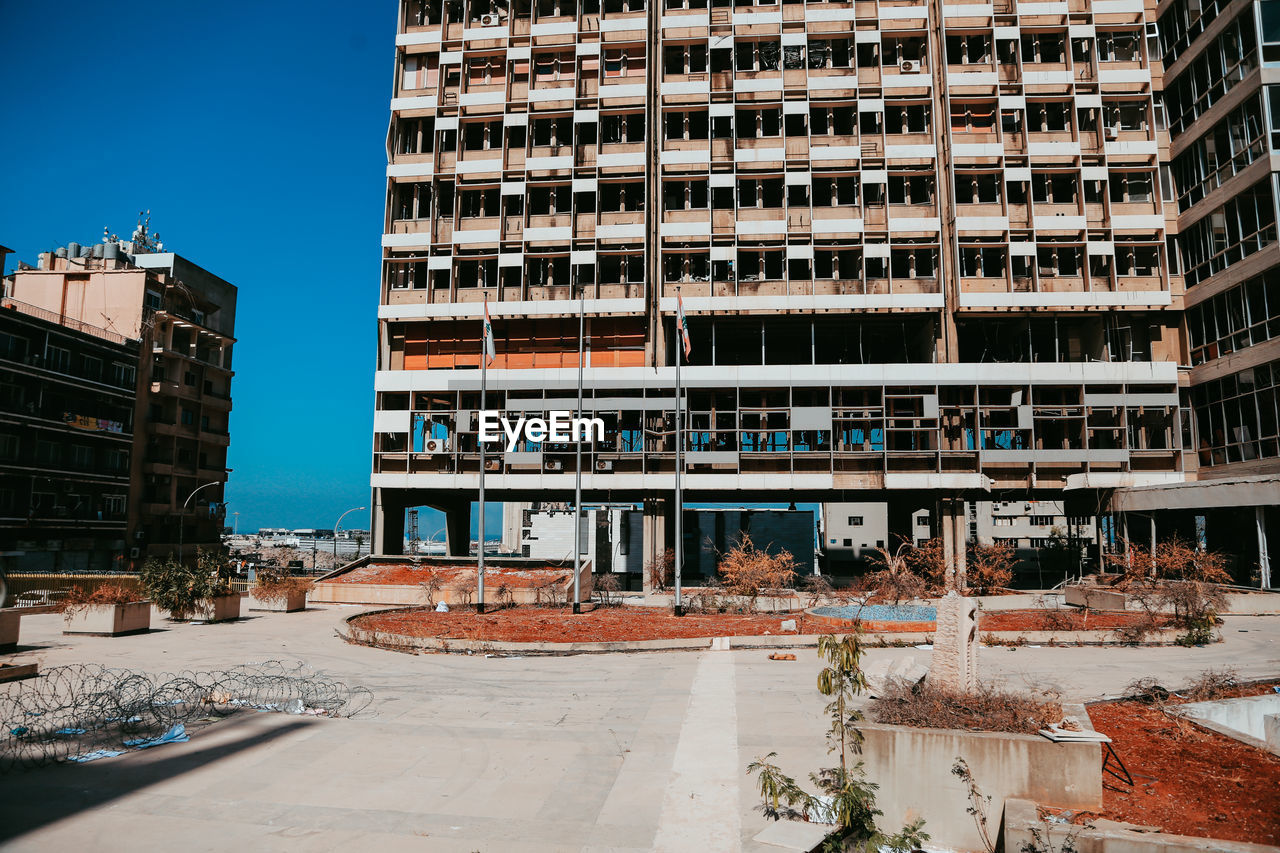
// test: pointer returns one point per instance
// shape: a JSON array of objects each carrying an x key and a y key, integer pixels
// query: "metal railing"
[{"x": 63, "y": 320}]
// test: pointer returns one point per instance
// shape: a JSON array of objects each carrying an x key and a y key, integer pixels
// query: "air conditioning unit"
[
  {"x": 555, "y": 465},
  {"x": 490, "y": 20},
  {"x": 493, "y": 464},
  {"x": 433, "y": 445},
  {"x": 910, "y": 66},
  {"x": 1113, "y": 133},
  {"x": 604, "y": 464}
]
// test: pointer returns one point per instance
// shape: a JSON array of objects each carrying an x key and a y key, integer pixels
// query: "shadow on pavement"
[{"x": 31, "y": 799}]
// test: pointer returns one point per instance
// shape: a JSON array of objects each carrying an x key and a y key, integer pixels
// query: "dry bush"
[
  {"x": 1056, "y": 618},
  {"x": 1135, "y": 633},
  {"x": 711, "y": 597},
  {"x": 1182, "y": 579},
  {"x": 554, "y": 594},
  {"x": 462, "y": 595},
  {"x": 607, "y": 589},
  {"x": 987, "y": 709},
  {"x": 748, "y": 570},
  {"x": 989, "y": 567},
  {"x": 108, "y": 594},
  {"x": 274, "y": 585},
  {"x": 928, "y": 561},
  {"x": 661, "y": 570},
  {"x": 505, "y": 597},
  {"x": 818, "y": 589},
  {"x": 898, "y": 580},
  {"x": 1213, "y": 684},
  {"x": 429, "y": 588},
  {"x": 1147, "y": 690}
]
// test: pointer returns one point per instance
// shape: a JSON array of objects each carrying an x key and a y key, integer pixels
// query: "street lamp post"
[
  {"x": 337, "y": 525},
  {"x": 182, "y": 521}
]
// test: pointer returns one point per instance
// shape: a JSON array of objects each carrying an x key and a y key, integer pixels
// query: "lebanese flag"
[
  {"x": 490, "y": 350},
  {"x": 683, "y": 323}
]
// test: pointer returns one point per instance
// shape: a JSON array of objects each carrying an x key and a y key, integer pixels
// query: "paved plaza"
[{"x": 619, "y": 752}]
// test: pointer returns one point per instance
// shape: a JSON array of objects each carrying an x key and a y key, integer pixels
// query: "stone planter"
[
  {"x": 9, "y": 619},
  {"x": 108, "y": 620},
  {"x": 291, "y": 603},
  {"x": 220, "y": 609}
]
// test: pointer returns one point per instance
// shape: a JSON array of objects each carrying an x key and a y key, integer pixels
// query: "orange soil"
[
  {"x": 1187, "y": 780},
  {"x": 611, "y": 624},
  {"x": 1066, "y": 620},
  {"x": 549, "y": 625}
]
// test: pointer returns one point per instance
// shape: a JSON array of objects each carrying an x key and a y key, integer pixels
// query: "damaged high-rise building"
[{"x": 929, "y": 252}]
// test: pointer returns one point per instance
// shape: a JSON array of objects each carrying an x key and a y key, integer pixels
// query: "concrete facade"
[
  {"x": 184, "y": 318},
  {"x": 922, "y": 248}
]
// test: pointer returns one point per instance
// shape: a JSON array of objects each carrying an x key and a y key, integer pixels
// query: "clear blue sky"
[{"x": 255, "y": 133}]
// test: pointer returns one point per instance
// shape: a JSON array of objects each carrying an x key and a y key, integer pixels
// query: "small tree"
[
  {"x": 748, "y": 570},
  {"x": 898, "y": 580},
  {"x": 846, "y": 798},
  {"x": 990, "y": 567},
  {"x": 1177, "y": 577}
]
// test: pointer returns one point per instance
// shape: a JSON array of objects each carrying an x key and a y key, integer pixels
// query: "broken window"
[
  {"x": 910, "y": 189},
  {"x": 685, "y": 195},
  {"x": 756, "y": 124},
  {"x": 686, "y": 266},
  {"x": 905, "y": 118},
  {"x": 553, "y": 132},
  {"x": 621, "y": 127},
  {"x": 415, "y": 135},
  {"x": 1050, "y": 116},
  {"x": 1054, "y": 187},
  {"x": 411, "y": 201},
  {"x": 833, "y": 190},
  {"x": 1131, "y": 186},
  {"x": 1058, "y": 260},
  {"x": 977, "y": 188},
  {"x": 1119, "y": 46},
  {"x": 482, "y": 135},
  {"x": 616, "y": 197},
  {"x": 473, "y": 203},
  {"x": 1044, "y": 47},
  {"x": 982, "y": 261}
]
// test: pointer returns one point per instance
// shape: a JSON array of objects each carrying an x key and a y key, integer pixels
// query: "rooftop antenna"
[{"x": 144, "y": 239}]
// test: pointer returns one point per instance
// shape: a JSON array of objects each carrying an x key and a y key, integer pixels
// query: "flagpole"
[
  {"x": 577, "y": 468},
  {"x": 679, "y": 562},
  {"x": 484, "y": 371}
]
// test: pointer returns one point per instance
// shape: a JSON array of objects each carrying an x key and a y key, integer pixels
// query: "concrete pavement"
[{"x": 461, "y": 753}]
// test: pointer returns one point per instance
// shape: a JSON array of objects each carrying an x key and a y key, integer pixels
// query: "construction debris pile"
[{"x": 88, "y": 711}]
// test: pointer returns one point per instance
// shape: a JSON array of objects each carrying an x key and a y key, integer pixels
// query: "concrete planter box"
[
  {"x": 221, "y": 609},
  {"x": 291, "y": 603},
  {"x": 9, "y": 619},
  {"x": 1094, "y": 598},
  {"x": 108, "y": 620},
  {"x": 913, "y": 769}
]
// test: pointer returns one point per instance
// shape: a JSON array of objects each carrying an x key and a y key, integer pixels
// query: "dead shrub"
[
  {"x": 818, "y": 589},
  {"x": 108, "y": 594},
  {"x": 661, "y": 570},
  {"x": 1213, "y": 684},
  {"x": 1056, "y": 618},
  {"x": 430, "y": 587},
  {"x": 554, "y": 594},
  {"x": 748, "y": 570},
  {"x": 1177, "y": 577},
  {"x": 987, "y": 709},
  {"x": 607, "y": 589},
  {"x": 1136, "y": 632},
  {"x": 929, "y": 562},
  {"x": 989, "y": 567},
  {"x": 898, "y": 580}
]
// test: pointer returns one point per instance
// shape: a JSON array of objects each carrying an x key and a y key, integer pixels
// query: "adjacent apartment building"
[
  {"x": 1222, "y": 96},
  {"x": 929, "y": 252},
  {"x": 179, "y": 321}
]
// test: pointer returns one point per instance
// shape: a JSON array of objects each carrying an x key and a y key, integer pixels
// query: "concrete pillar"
[
  {"x": 961, "y": 525},
  {"x": 387, "y": 522},
  {"x": 1264, "y": 558},
  {"x": 947, "y": 532},
  {"x": 656, "y": 534},
  {"x": 457, "y": 529}
]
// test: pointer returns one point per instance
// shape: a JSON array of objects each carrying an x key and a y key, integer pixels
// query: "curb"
[{"x": 413, "y": 645}]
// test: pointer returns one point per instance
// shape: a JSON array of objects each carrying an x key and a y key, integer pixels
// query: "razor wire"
[{"x": 72, "y": 712}]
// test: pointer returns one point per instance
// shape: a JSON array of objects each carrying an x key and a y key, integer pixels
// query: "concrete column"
[
  {"x": 947, "y": 532},
  {"x": 457, "y": 529},
  {"x": 387, "y": 521},
  {"x": 961, "y": 525},
  {"x": 656, "y": 535},
  {"x": 1264, "y": 557}
]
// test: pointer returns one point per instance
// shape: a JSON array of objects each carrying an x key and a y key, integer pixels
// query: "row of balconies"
[
  {"x": 629, "y": 157},
  {"x": 821, "y": 16}
]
